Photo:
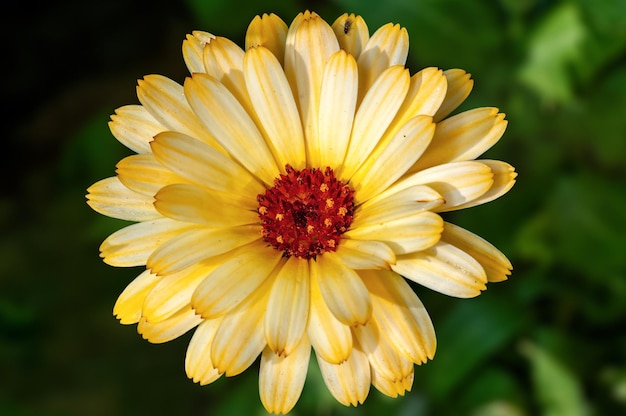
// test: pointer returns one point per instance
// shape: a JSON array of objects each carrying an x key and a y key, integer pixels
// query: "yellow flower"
[{"x": 282, "y": 194}]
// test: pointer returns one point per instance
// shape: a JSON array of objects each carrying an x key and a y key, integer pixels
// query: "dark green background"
[{"x": 549, "y": 341}]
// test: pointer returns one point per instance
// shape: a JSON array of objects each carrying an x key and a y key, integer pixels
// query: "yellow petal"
[
  {"x": 456, "y": 182},
  {"x": 403, "y": 235},
  {"x": 392, "y": 387},
  {"x": 403, "y": 316},
  {"x": 268, "y": 31},
  {"x": 388, "y": 46},
  {"x": 389, "y": 207},
  {"x": 132, "y": 245},
  {"x": 313, "y": 45},
  {"x": 198, "y": 244},
  {"x": 464, "y": 136},
  {"x": 390, "y": 161},
  {"x": 229, "y": 284},
  {"x": 288, "y": 307},
  {"x": 360, "y": 254},
  {"x": 240, "y": 337},
  {"x": 275, "y": 107},
  {"x": 143, "y": 174},
  {"x": 281, "y": 378},
  {"x": 202, "y": 164},
  {"x": 130, "y": 302},
  {"x": 170, "y": 328},
  {"x": 374, "y": 115},
  {"x": 173, "y": 292},
  {"x": 336, "y": 109},
  {"x": 223, "y": 60},
  {"x": 232, "y": 127},
  {"x": 352, "y": 33},
  {"x": 109, "y": 197},
  {"x": 165, "y": 100},
  {"x": 445, "y": 269},
  {"x": 381, "y": 353},
  {"x": 459, "y": 87},
  {"x": 342, "y": 289},
  {"x": 134, "y": 127},
  {"x": 194, "y": 204},
  {"x": 503, "y": 180},
  {"x": 198, "y": 365},
  {"x": 496, "y": 265},
  {"x": 193, "y": 48},
  {"x": 349, "y": 381},
  {"x": 331, "y": 339}
]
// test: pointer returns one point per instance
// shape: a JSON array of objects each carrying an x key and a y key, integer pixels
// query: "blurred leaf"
[
  {"x": 552, "y": 49},
  {"x": 558, "y": 391},
  {"x": 470, "y": 333}
]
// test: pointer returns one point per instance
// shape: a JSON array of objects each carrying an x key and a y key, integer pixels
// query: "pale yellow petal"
[
  {"x": 268, "y": 31},
  {"x": 352, "y": 33},
  {"x": 111, "y": 198},
  {"x": 348, "y": 381},
  {"x": 445, "y": 269},
  {"x": 281, "y": 378},
  {"x": 288, "y": 307},
  {"x": 364, "y": 254},
  {"x": 460, "y": 85},
  {"x": 232, "y": 127},
  {"x": 464, "y": 136},
  {"x": 275, "y": 107},
  {"x": 381, "y": 353},
  {"x": 132, "y": 245},
  {"x": 199, "y": 244},
  {"x": 165, "y": 100},
  {"x": 331, "y": 339},
  {"x": 130, "y": 302},
  {"x": 194, "y": 204},
  {"x": 496, "y": 265},
  {"x": 240, "y": 337},
  {"x": 503, "y": 180},
  {"x": 314, "y": 44},
  {"x": 392, "y": 387},
  {"x": 456, "y": 182},
  {"x": 391, "y": 207},
  {"x": 202, "y": 164},
  {"x": 173, "y": 292},
  {"x": 402, "y": 315},
  {"x": 290, "y": 53},
  {"x": 388, "y": 163},
  {"x": 342, "y": 289},
  {"x": 198, "y": 364},
  {"x": 374, "y": 115},
  {"x": 337, "y": 107},
  {"x": 403, "y": 235},
  {"x": 388, "y": 46},
  {"x": 223, "y": 60},
  {"x": 170, "y": 328},
  {"x": 193, "y": 47},
  {"x": 143, "y": 174},
  {"x": 134, "y": 127},
  {"x": 235, "y": 279}
]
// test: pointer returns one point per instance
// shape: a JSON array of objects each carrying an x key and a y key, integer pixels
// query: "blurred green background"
[{"x": 549, "y": 341}]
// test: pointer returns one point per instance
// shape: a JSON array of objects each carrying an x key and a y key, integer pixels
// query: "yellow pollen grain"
[
  {"x": 328, "y": 222},
  {"x": 342, "y": 211},
  {"x": 279, "y": 239},
  {"x": 263, "y": 210},
  {"x": 329, "y": 203},
  {"x": 309, "y": 229},
  {"x": 323, "y": 187},
  {"x": 279, "y": 217},
  {"x": 330, "y": 243}
]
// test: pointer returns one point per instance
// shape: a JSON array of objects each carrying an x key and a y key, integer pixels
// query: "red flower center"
[{"x": 306, "y": 212}]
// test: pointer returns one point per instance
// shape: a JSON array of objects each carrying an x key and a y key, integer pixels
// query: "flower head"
[{"x": 284, "y": 192}]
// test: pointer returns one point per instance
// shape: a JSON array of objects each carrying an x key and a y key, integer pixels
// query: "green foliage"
[{"x": 548, "y": 341}]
